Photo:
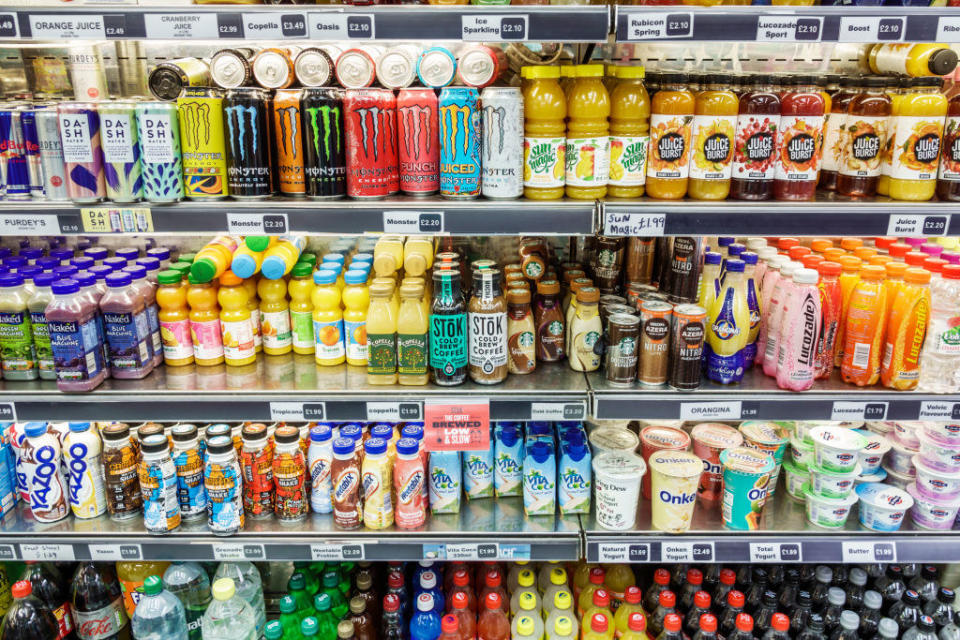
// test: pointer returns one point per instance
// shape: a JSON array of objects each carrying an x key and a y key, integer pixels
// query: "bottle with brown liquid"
[
  {"x": 548, "y": 316},
  {"x": 585, "y": 330},
  {"x": 448, "y": 329},
  {"x": 345, "y": 630},
  {"x": 521, "y": 332},
  {"x": 363, "y": 627},
  {"x": 487, "y": 319},
  {"x": 866, "y": 135}
]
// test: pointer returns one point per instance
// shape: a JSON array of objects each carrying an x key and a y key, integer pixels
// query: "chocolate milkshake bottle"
[
  {"x": 548, "y": 317},
  {"x": 345, "y": 471}
]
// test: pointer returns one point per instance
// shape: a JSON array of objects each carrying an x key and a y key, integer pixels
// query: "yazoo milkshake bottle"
[{"x": 799, "y": 333}]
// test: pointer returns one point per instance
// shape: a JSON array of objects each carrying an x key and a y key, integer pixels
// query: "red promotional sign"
[{"x": 456, "y": 425}]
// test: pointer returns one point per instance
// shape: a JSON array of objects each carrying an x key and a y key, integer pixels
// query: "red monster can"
[
  {"x": 418, "y": 141},
  {"x": 370, "y": 128}
]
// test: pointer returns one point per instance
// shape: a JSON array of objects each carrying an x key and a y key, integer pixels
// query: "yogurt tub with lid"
[
  {"x": 900, "y": 459},
  {"x": 879, "y": 476},
  {"x": 945, "y": 432},
  {"x": 801, "y": 452},
  {"x": 931, "y": 513},
  {"x": 883, "y": 427},
  {"x": 830, "y": 513},
  {"x": 905, "y": 433},
  {"x": 613, "y": 439},
  {"x": 871, "y": 456},
  {"x": 769, "y": 437},
  {"x": 940, "y": 456},
  {"x": 804, "y": 427},
  {"x": 831, "y": 484},
  {"x": 716, "y": 435},
  {"x": 882, "y": 506},
  {"x": 896, "y": 479},
  {"x": 617, "y": 476},
  {"x": 837, "y": 448},
  {"x": 934, "y": 483},
  {"x": 794, "y": 478}
]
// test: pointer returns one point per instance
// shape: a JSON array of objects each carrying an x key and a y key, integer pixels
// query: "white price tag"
[
  {"x": 775, "y": 552},
  {"x": 115, "y": 552},
  {"x": 872, "y": 29},
  {"x": 869, "y": 551},
  {"x": 275, "y": 26},
  {"x": 916, "y": 226},
  {"x": 558, "y": 410},
  {"x": 686, "y": 551},
  {"x": 47, "y": 552},
  {"x": 341, "y": 26},
  {"x": 656, "y": 26},
  {"x": 238, "y": 551},
  {"x": 488, "y": 28},
  {"x": 939, "y": 410},
  {"x": 710, "y": 410},
  {"x": 7, "y": 552},
  {"x": 619, "y": 552},
  {"x": 859, "y": 411},
  {"x": 298, "y": 411},
  {"x": 29, "y": 224},
  {"x": 177, "y": 26},
  {"x": 948, "y": 30},
  {"x": 336, "y": 552},
  {"x": 67, "y": 27},
  {"x": 257, "y": 223},
  {"x": 789, "y": 28},
  {"x": 394, "y": 411},
  {"x": 634, "y": 224},
  {"x": 405, "y": 222}
]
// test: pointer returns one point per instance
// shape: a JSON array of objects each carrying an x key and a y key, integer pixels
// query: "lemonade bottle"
[
  {"x": 329, "y": 348},
  {"x": 412, "y": 331},
  {"x": 865, "y": 324},
  {"x": 581, "y": 577},
  {"x": 174, "y": 319},
  {"x": 906, "y": 330},
  {"x": 274, "y": 317},
  {"x": 417, "y": 255},
  {"x": 214, "y": 258},
  {"x": 300, "y": 289},
  {"x": 204, "y": 322},
  {"x": 587, "y": 154},
  {"x": 544, "y": 142},
  {"x": 601, "y": 605},
  {"x": 729, "y": 318},
  {"x": 563, "y": 628},
  {"x": 235, "y": 325},
  {"x": 585, "y": 599},
  {"x": 619, "y": 577},
  {"x": 668, "y": 161},
  {"x": 631, "y": 605},
  {"x": 356, "y": 299},
  {"x": 629, "y": 134},
  {"x": 636, "y": 626},
  {"x": 253, "y": 304},
  {"x": 381, "y": 335},
  {"x": 917, "y": 133},
  {"x": 387, "y": 256},
  {"x": 281, "y": 257},
  {"x": 596, "y": 627},
  {"x": 562, "y": 608},
  {"x": 525, "y": 585},
  {"x": 527, "y": 626},
  {"x": 246, "y": 262},
  {"x": 712, "y": 134}
]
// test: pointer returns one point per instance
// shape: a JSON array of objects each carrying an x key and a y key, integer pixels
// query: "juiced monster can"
[
  {"x": 159, "y": 132},
  {"x": 460, "y": 142},
  {"x": 325, "y": 164},
  {"x": 502, "y": 142},
  {"x": 202, "y": 142},
  {"x": 419, "y": 142},
  {"x": 121, "y": 151},
  {"x": 288, "y": 140},
  {"x": 371, "y": 137},
  {"x": 51, "y": 152},
  {"x": 248, "y": 163},
  {"x": 14, "y": 176},
  {"x": 83, "y": 158},
  {"x": 31, "y": 151}
]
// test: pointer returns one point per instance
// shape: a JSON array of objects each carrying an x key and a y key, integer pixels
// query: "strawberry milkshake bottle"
[
  {"x": 771, "y": 276},
  {"x": 778, "y": 300},
  {"x": 755, "y": 143},
  {"x": 800, "y": 333},
  {"x": 798, "y": 141}
]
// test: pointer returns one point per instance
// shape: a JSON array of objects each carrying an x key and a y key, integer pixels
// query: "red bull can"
[
  {"x": 419, "y": 142},
  {"x": 370, "y": 129},
  {"x": 13, "y": 159},
  {"x": 460, "y": 142},
  {"x": 502, "y": 142}
]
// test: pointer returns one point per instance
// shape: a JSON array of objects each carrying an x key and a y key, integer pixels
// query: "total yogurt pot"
[
  {"x": 945, "y": 432},
  {"x": 878, "y": 476},
  {"x": 900, "y": 459},
  {"x": 657, "y": 438},
  {"x": 882, "y": 506},
  {"x": 675, "y": 476},
  {"x": 931, "y": 513},
  {"x": 882, "y": 427},
  {"x": 801, "y": 452},
  {"x": 709, "y": 439},
  {"x": 616, "y": 477},
  {"x": 747, "y": 474},
  {"x": 804, "y": 427},
  {"x": 831, "y": 484},
  {"x": 905, "y": 433},
  {"x": 769, "y": 437},
  {"x": 896, "y": 479},
  {"x": 612, "y": 439},
  {"x": 939, "y": 455},
  {"x": 837, "y": 448},
  {"x": 794, "y": 479},
  {"x": 934, "y": 483},
  {"x": 830, "y": 513},
  {"x": 871, "y": 456}
]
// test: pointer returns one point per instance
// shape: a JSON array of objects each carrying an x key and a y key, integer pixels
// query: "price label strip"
[
  {"x": 487, "y": 28},
  {"x": 558, "y": 410},
  {"x": 67, "y": 27},
  {"x": 711, "y": 410},
  {"x": 336, "y": 552},
  {"x": 776, "y": 552},
  {"x": 914, "y": 226},
  {"x": 872, "y": 29},
  {"x": 115, "y": 552},
  {"x": 634, "y": 224},
  {"x": 939, "y": 410},
  {"x": 341, "y": 26},
  {"x": 869, "y": 551},
  {"x": 275, "y": 26},
  {"x": 844, "y": 411},
  {"x": 190, "y": 26},
  {"x": 298, "y": 411},
  {"x": 659, "y": 26},
  {"x": 405, "y": 222},
  {"x": 8, "y": 26},
  {"x": 257, "y": 223},
  {"x": 238, "y": 551},
  {"x": 948, "y": 29},
  {"x": 621, "y": 552},
  {"x": 116, "y": 219},
  {"x": 687, "y": 551},
  {"x": 394, "y": 411},
  {"x": 789, "y": 29},
  {"x": 29, "y": 224},
  {"x": 47, "y": 552}
]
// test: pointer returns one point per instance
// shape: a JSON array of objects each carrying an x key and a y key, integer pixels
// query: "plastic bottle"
[
  {"x": 97, "y": 602},
  {"x": 712, "y": 140},
  {"x": 28, "y": 618},
  {"x": 127, "y": 329},
  {"x": 629, "y": 134},
  {"x": 729, "y": 324},
  {"x": 801, "y": 126},
  {"x": 565, "y": 628},
  {"x": 906, "y": 613},
  {"x": 247, "y": 584},
  {"x": 814, "y": 629},
  {"x": 246, "y": 261},
  {"x": 706, "y": 628},
  {"x": 661, "y": 582},
  {"x": 391, "y": 623},
  {"x": 912, "y": 59},
  {"x": 797, "y": 365},
  {"x": 527, "y": 625},
  {"x": 598, "y": 628},
  {"x": 562, "y": 607},
  {"x": 927, "y": 582},
  {"x": 755, "y": 143},
  {"x": 281, "y": 257},
  {"x": 425, "y": 623},
  {"x": 356, "y": 299},
  {"x": 300, "y": 289},
  {"x": 236, "y": 327},
  {"x": 949, "y": 632},
  {"x": 916, "y": 136},
  {"x": 666, "y": 606},
  {"x": 381, "y": 336},
  {"x": 290, "y": 618},
  {"x": 274, "y": 316},
  {"x": 525, "y": 584},
  {"x": 743, "y": 629},
  {"x": 338, "y": 604},
  {"x": 588, "y": 143},
  {"x": 190, "y": 584},
  {"x": 388, "y": 256},
  {"x": 699, "y": 607},
  {"x": 671, "y": 628},
  {"x": 174, "y": 317},
  {"x": 865, "y": 325},
  {"x": 940, "y": 609},
  {"x": 229, "y": 616},
  {"x": 672, "y": 114},
  {"x": 214, "y": 258},
  {"x": 411, "y": 341},
  {"x": 849, "y": 622},
  {"x": 866, "y": 133},
  {"x": 906, "y": 330},
  {"x": 204, "y": 323},
  {"x": 159, "y": 615},
  {"x": 544, "y": 143},
  {"x": 253, "y": 306}
]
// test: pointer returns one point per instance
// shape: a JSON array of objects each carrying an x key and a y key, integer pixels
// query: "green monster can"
[
  {"x": 202, "y": 143},
  {"x": 121, "y": 151}
]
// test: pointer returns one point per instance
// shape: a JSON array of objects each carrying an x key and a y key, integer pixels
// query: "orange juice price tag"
[{"x": 456, "y": 425}]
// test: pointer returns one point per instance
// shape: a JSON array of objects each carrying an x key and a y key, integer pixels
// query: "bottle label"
[
  {"x": 101, "y": 624},
  {"x": 223, "y": 483},
  {"x": 291, "y": 489},
  {"x": 382, "y": 358},
  {"x": 320, "y": 480},
  {"x": 448, "y": 342},
  {"x": 412, "y": 353},
  {"x": 255, "y": 327},
  {"x": 726, "y": 367},
  {"x": 177, "y": 343},
  {"x": 543, "y": 162},
  {"x": 75, "y": 137},
  {"x": 257, "y": 468},
  {"x": 275, "y": 327},
  {"x": 712, "y": 147},
  {"x": 865, "y": 139},
  {"x": 301, "y": 326},
  {"x": 116, "y": 136},
  {"x": 120, "y": 480},
  {"x": 488, "y": 341},
  {"x": 799, "y": 156},
  {"x": 16, "y": 341},
  {"x": 628, "y": 160},
  {"x": 85, "y": 479},
  {"x": 834, "y": 141},
  {"x": 948, "y": 342},
  {"x": 755, "y": 145},
  {"x": 588, "y": 161},
  {"x": 892, "y": 58},
  {"x": 913, "y": 147},
  {"x": 127, "y": 339},
  {"x": 207, "y": 340},
  {"x": 669, "y": 146},
  {"x": 41, "y": 340},
  {"x": 77, "y": 352},
  {"x": 950, "y": 157},
  {"x": 161, "y": 506},
  {"x": 190, "y": 492},
  {"x": 156, "y": 138},
  {"x": 356, "y": 335},
  {"x": 64, "y": 620},
  {"x": 328, "y": 340},
  {"x": 237, "y": 339}
]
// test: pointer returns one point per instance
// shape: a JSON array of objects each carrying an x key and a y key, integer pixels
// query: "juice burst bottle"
[
  {"x": 629, "y": 134},
  {"x": 866, "y": 129},
  {"x": 356, "y": 299},
  {"x": 174, "y": 319},
  {"x": 214, "y": 258},
  {"x": 300, "y": 290},
  {"x": 544, "y": 142},
  {"x": 712, "y": 134},
  {"x": 587, "y": 155},
  {"x": 204, "y": 322},
  {"x": 667, "y": 162},
  {"x": 915, "y": 140},
  {"x": 906, "y": 330},
  {"x": 801, "y": 127},
  {"x": 895, "y": 88},
  {"x": 235, "y": 326},
  {"x": 834, "y": 132},
  {"x": 866, "y": 321},
  {"x": 729, "y": 318},
  {"x": 274, "y": 316},
  {"x": 755, "y": 144},
  {"x": 329, "y": 349}
]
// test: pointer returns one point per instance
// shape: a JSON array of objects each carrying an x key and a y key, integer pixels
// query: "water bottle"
[
  {"x": 159, "y": 614},
  {"x": 246, "y": 580},
  {"x": 229, "y": 617},
  {"x": 870, "y": 613},
  {"x": 856, "y": 586},
  {"x": 425, "y": 623},
  {"x": 190, "y": 584},
  {"x": 952, "y": 630},
  {"x": 849, "y": 623},
  {"x": 887, "y": 630}
]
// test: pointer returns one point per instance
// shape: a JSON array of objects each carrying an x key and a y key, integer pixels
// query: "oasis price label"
[{"x": 456, "y": 425}]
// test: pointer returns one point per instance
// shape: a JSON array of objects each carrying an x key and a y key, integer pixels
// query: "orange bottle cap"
[
  {"x": 935, "y": 265},
  {"x": 797, "y": 252},
  {"x": 827, "y": 268},
  {"x": 880, "y": 260},
  {"x": 811, "y": 261},
  {"x": 864, "y": 253},
  {"x": 915, "y": 258},
  {"x": 229, "y": 279},
  {"x": 898, "y": 249},
  {"x": 851, "y": 264},
  {"x": 850, "y": 244},
  {"x": 784, "y": 244},
  {"x": 884, "y": 242},
  {"x": 834, "y": 253},
  {"x": 917, "y": 276},
  {"x": 895, "y": 269},
  {"x": 873, "y": 272},
  {"x": 819, "y": 245}
]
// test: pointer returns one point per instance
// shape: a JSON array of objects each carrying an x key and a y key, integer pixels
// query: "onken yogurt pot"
[
  {"x": 747, "y": 474},
  {"x": 656, "y": 438},
  {"x": 674, "y": 476},
  {"x": 837, "y": 448},
  {"x": 616, "y": 477},
  {"x": 882, "y": 507},
  {"x": 769, "y": 437},
  {"x": 936, "y": 484},
  {"x": 831, "y": 484},
  {"x": 830, "y": 513},
  {"x": 709, "y": 439},
  {"x": 871, "y": 456},
  {"x": 931, "y": 513},
  {"x": 939, "y": 455}
]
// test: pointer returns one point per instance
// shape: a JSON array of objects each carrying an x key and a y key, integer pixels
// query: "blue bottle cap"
[
  {"x": 115, "y": 262},
  {"x": 31, "y": 253},
  {"x": 136, "y": 271},
  {"x": 118, "y": 279},
  {"x": 43, "y": 279},
  {"x": 333, "y": 257},
  {"x": 541, "y": 451},
  {"x": 160, "y": 253},
  {"x": 321, "y": 433},
  {"x": 79, "y": 427},
  {"x": 97, "y": 253},
  {"x": 273, "y": 267},
  {"x": 355, "y": 276},
  {"x": 150, "y": 264},
  {"x": 509, "y": 435},
  {"x": 11, "y": 280},
  {"x": 65, "y": 271},
  {"x": 47, "y": 263},
  {"x": 336, "y": 267},
  {"x": 85, "y": 278},
  {"x": 375, "y": 446},
  {"x": 736, "y": 266},
  {"x": 82, "y": 262},
  {"x": 101, "y": 271},
  {"x": 62, "y": 254},
  {"x": 352, "y": 431},
  {"x": 14, "y": 262},
  {"x": 34, "y": 429},
  {"x": 412, "y": 431},
  {"x": 712, "y": 257},
  {"x": 749, "y": 257},
  {"x": 725, "y": 241},
  {"x": 735, "y": 250},
  {"x": 127, "y": 253},
  {"x": 408, "y": 446},
  {"x": 344, "y": 446},
  {"x": 65, "y": 285},
  {"x": 381, "y": 431},
  {"x": 243, "y": 265},
  {"x": 363, "y": 257},
  {"x": 324, "y": 276}
]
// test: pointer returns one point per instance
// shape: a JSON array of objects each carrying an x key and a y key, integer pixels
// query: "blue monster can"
[
  {"x": 159, "y": 132},
  {"x": 460, "y": 142},
  {"x": 14, "y": 175}
]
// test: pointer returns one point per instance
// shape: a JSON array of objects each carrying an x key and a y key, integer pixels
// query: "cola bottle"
[
  {"x": 855, "y": 588},
  {"x": 927, "y": 583},
  {"x": 906, "y": 613},
  {"x": 29, "y": 618},
  {"x": 98, "y": 603},
  {"x": 728, "y": 617},
  {"x": 725, "y": 585},
  {"x": 755, "y": 593},
  {"x": 801, "y": 611},
  {"x": 690, "y": 588},
  {"x": 45, "y": 583},
  {"x": 891, "y": 587}
]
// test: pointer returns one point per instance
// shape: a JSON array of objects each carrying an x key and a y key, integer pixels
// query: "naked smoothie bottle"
[{"x": 74, "y": 338}]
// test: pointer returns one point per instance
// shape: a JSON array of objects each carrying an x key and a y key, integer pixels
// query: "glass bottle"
[
  {"x": 755, "y": 143},
  {"x": 448, "y": 329},
  {"x": 585, "y": 331},
  {"x": 521, "y": 333},
  {"x": 381, "y": 337},
  {"x": 834, "y": 132},
  {"x": 801, "y": 126},
  {"x": 487, "y": 317}
]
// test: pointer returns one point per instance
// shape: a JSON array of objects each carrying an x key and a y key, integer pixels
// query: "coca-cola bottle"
[
  {"x": 98, "y": 603},
  {"x": 45, "y": 583},
  {"x": 28, "y": 618}
]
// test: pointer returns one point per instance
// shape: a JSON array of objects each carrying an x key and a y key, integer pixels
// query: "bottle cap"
[
  {"x": 911, "y": 597},
  {"x": 223, "y": 589},
  {"x": 661, "y": 577},
  {"x": 811, "y": 261},
  {"x": 631, "y": 72},
  {"x": 493, "y": 600},
  {"x": 917, "y": 276},
  {"x": 601, "y": 598},
  {"x": 321, "y": 433},
  {"x": 849, "y": 620},
  {"x": 744, "y": 622},
  {"x": 632, "y": 595},
  {"x": 286, "y": 435},
  {"x": 22, "y": 589},
  {"x": 357, "y": 604},
  {"x": 344, "y": 446},
  {"x": 780, "y": 622},
  {"x": 636, "y": 621},
  {"x": 425, "y": 601},
  {"x": 873, "y": 272},
  {"x": 376, "y": 446},
  {"x": 563, "y": 626},
  {"x": 449, "y": 624},
  {"x": 735, "y": 266},
  {"x": 345, "y": 629},
  {"x": 79, "y": 427},
  {"x": 836, "y": 596},
  {"x": 309, "y": 627},
  {"x": 942, "y": 62},
  {"x": 668, "y": 599},
  {"x": 708, "y": 622},
  {"x": 736, "y": 599},
  {"x": 155, "y": 443},
  {"x": 701, "y": 600},
  {"x": 829, "y": 268},
  {"x": 35, "y": 429},
  {"x": 322, "y": 602},
  {"x": 672, "y": 622},
  {"x": 562, "y": 600},
  {"x": 712, "y": 257},
  {"x": 598, "y": 623},
  {"x": 806, "y": 276},
  {"x": 391, "y": 601},
  {"x": 115, "y": 280},
  {"x": 888, "y": 628},
  {"x": 946, "y": 595},
  {"x": 542, "y": 71},
  {"x": 525, "y": 625}
]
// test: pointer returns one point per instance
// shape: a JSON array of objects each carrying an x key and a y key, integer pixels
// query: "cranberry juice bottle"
[
  {"x": 866, "y": 135},
  {"x": 754, "y": 153},
  {"x": 801, "y": 128},
  {"x": 948, "y": 180},
  {"x": 834, "y": 130}
]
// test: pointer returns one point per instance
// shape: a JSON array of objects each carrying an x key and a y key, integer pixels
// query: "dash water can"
[
  {"x": 325, "y": 163},
  {"x": 460, "y": 142},
  {"x": 419, "y": 142},
  {"x": 502, "y": 142},
  {"x": 371, "y": 140},
  {"x": 82, "y": 155},
  {"x": 248, "y": 163},
  {"x": 202, "y": 143},
  {"x": 31, "y": 150},
  {"x": 13, "y": 161},
  {"x": 121, "y": 151},
  {"x": 51, "y": 152},
  {"x": 162, "y": 169},
  {"x": 288, "y": 141}
]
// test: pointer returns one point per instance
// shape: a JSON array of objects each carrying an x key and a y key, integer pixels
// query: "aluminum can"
[
  {"x": 357, "y": 68},
  {"x": 313, "y": 67},
  {"x": 51, "y": 152},
  {"x": 397, "y": 67},
  {"x": 202, "y": 143},
  {"x": 230, "y": 68},
  {"x": 436, "y": 67},
  {"x": 87, "y": 73},
  {"x": 480, "y": 66},
  {"x": 31, "y": 151},
  {"x": 686, "y": 346},
  {"x": 273, "y": 67},
  {"x": 288, "y": 141},
  {"x": 13, "y": 160},
  {"x": 460, "y": 142},
  {"x": 121, "y": 151},
  {"x": 418, "y": 141},
  {"x": 502, "y": 142},
  {"x": 623, "y": 346},
  {"x": 655, "y": 318},
  {"x": 371, "y": 141},
  {"x": 168, "y": 79},
  {"x": 248, "y": 163},
  {"x": 82, "y": 155},
  {"x": 325, "y": 163},
  {"x": 132, "y": 68},
  {"x": 159, "y": 132}
]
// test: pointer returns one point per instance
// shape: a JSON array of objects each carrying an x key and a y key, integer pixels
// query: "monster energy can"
[
  {"x": 460, "y": 142},
  {"x": 325, "y": 165},
  {"x": 248, "y": 165},
  {"x": 121, "y": 151},
  {"x": 51, "y": 152},
  {"x": 160, "y": 151},
  {"x": 201, "y": 138},
  {"x": 288, "y": 141},
  {"x": 502, "y": 142}
]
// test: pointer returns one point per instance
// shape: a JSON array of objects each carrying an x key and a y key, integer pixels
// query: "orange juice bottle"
[
  {"x": 911, "y": 59},
  {"x": 629, "y": 134},
  {"x": 381, "y": 335},
  {"x": 356, "y": 299},
  {"x": 917, "y": 133},
  {"x": 174, "y": 319},
  {"x": 274, "y": 316},
  {"x": 712, "y": 133},
  {"x": 300, "y": 290},
  {"x": 667, "y": 160},
  {"x": 866, "y": 321},
  {"x": 235, "y": 326},
  {"x": 895, "y": 89},
  {"x": 253, "y": 305},
  {"x": 329, "y": 348},
  {"x": 544, "y": 142},
  {"x": 588, "y": 140},
  {"x": 906, "y": 330},
  {"x": 214, "y": 258},
  {"x": 204, "y": 322}
]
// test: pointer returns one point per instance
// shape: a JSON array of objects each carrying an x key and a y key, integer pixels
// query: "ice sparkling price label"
[
  {"x": 657, "y": 26},
  {"x": 871, "y": 29},
  {"x": 634, "y": 224},
  {"x": 910, "y": 225},
  {"x": 775, "y": 552},
  {"x": 789, "y": 29},
  {"x": 487, "y": 28}
]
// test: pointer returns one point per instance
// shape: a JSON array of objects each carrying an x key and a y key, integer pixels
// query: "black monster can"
[
  {"x": 325, "y": 161},
  {"x": 245, "y": 111}
]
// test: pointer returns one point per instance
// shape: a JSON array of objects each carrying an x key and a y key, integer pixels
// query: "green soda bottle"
[
  {"x": 326, "y": 621},
  {"x": 338, "y": 604},
  {"x": 273, "y": 630},
  {"x": 290, "y": 618},
  {"x": 309, "y": 627},
  {"x": 297, "y": 588}
]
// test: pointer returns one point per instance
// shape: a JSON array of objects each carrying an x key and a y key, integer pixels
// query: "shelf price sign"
[
  {"x": 634, "y": 224},
  {"x": 488, "y": 28},
  {"x": 275, "y": 26},
  {"x": 872, "y": 29},
  {"x": 341, "y": 26},
  {"x": 687, "y": 551},
  {"x": 457, "y": 424},
  {"x": 789, "y": 29},
  {"x": 868, "y": 551},
  {"x": 273, "y": 224},
  {"x": 405, "y": 222},
  {"x": 659, "y": 26},
  {"x": 8, "y": 25},
  {"x": 915, "y": 226}
]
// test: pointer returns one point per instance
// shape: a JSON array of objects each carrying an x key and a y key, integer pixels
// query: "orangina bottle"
[
  {"x": 906, "y": 330},
  {"x": 667, "y": 160},
  {"x": 235, "y": 327},
  {"x": 544, "y": 142},
  {"x": 917, "y": 133},
  {"x": 174, "y": 319},
  {"x": 274, "y": 316},
  {"x": 866, "y": 321},
  {"x": 588, "y": 135},
  {"x": 204, "y": 322},
  {"x": 711, "y": 147},
  {"x": 629, "y": 134}
]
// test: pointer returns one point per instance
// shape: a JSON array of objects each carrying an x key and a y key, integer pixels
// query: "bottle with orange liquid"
[
  {"x": 865, "y": 325},
  {"x": 906, "y": 330},
  {"x": 235, "y": 323},
  {"x": 544, "y": 142},
  {"x": 629, "y": 134},
  {"x": 174, "y": 319},
  {"x": 204, "y": 322},
  {"x": 712, "y": 132},
  {"x": 214, "y": 258},
  {"x": 670, "y": 121},
  {"x": 587, "y": 153}
]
